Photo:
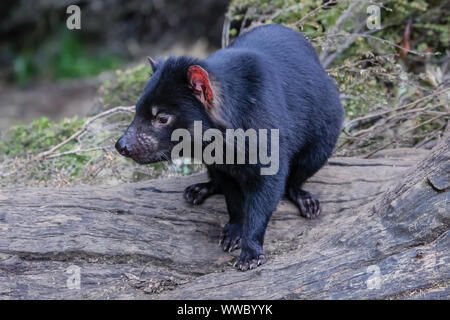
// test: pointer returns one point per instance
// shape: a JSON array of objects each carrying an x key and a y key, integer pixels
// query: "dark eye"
[{"x": 162, "y": 118}]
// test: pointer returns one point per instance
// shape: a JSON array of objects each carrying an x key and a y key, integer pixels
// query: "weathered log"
[{"x": 383, "y": 233}]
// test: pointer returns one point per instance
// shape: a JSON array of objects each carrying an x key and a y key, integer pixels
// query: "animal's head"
[{"x": 179, "y": 92}]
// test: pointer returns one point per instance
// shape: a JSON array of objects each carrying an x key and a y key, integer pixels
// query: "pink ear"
[{"x": 199, "y": 80}]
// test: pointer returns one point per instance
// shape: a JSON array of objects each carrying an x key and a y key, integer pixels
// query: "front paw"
[
  {"x": 230, "y": 238},
  {"x": 250, "y": 259},
  {"x": 197, "y": 193},
  {"x": 251, "y": 256}
]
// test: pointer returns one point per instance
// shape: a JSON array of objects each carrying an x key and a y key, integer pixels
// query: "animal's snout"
[
  {"x": 122, "y": 148},
  {"x": 138, "y": 145}
]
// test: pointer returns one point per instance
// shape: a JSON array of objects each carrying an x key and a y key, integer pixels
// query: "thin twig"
[
  {"x": 226, "y": 30},
  {"x": 326, "y": 62},
  {"x": 286, "y": 10},
  {"x": 379, "y": 149},
  {"x": 426, "y": 122},
  {"x": 375, "y": 116},
  {"x": 311, "y": 13},
  {"x": 342, "y": 18},
  {"x": 85, "y": 126},
  {"x": 77, "y": 151}
]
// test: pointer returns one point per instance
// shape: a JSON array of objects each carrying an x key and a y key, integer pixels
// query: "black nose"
[{"x": 122, "y": 148}]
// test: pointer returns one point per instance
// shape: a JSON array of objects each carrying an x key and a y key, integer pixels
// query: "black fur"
[{"x": 270, "y": 77}]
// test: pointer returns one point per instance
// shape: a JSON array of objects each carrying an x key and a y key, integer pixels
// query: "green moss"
[
  {"x": 39, "y": 136},
  {"x": 25, "y": 141},
  {"x": 126, "y": 87}
]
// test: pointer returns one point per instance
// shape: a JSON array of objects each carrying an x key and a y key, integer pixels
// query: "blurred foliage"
[
  {"x": 430, "y": 20},
  {"x": 33, "y": 30},
  {"x": 373, "y": 69},
  {"x": 126, "y": 87},
  {"x": 62, "y": 56},
  {"x": 24, "y": 68},
  {"x": 73, "y": 59}
]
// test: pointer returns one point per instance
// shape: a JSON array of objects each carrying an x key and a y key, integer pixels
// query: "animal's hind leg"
[
  {"x": 301, "y": 170},
  {"x": 307, "y": 203}
]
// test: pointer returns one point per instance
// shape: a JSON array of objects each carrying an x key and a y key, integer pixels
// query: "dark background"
[{"x": 48, "y": 70}]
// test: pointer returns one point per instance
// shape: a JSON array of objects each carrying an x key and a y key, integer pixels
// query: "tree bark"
[{"x": 383, "y": 234}]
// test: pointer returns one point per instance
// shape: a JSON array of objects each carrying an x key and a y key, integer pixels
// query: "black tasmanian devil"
[{"x": 268, "y": 78}]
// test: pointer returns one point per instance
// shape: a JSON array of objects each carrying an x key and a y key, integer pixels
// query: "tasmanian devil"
[{"x": 268, "y": 78}]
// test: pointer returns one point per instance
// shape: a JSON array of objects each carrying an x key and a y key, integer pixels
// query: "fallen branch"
[{"x": 142, "y": 241}]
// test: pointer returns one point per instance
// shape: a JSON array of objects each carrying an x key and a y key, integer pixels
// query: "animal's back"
[
  {"x": 278, "y": 42},
  {"x": 310, "y": 94}
]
